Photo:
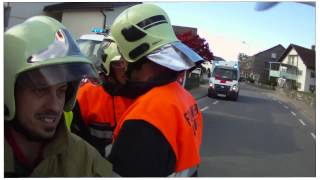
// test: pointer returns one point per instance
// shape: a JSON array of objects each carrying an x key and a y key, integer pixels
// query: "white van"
[{"x": 224, "y": 81}]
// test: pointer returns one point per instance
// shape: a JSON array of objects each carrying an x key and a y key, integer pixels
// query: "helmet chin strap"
[{"x": 26, "y": 133}]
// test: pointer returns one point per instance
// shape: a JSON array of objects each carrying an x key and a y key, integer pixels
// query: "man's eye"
[
  {"x": 62, "y": 90},
  {"x": 40, "y": 91}
]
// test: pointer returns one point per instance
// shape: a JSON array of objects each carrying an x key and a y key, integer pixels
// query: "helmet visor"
[
  {"x": 175, "y": 56},
  {"x": 188, "y": 52},
  {"x": 46, "y": 76},
  {"x": 63, "y": 45}
]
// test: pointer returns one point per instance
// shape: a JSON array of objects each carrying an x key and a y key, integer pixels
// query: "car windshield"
[{"x": 225, "y": 74}]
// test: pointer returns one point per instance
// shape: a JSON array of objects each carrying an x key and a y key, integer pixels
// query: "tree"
[
  {"x": 242, "y": 57},
  {"x": 196, "y": 43}
]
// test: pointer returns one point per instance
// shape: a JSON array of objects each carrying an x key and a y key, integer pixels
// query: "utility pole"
[{"x": 7, "y": 10}]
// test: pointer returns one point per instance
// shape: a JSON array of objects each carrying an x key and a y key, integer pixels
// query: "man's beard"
[
  {"x": 134, "y": 89},
  {"x": 31, "y": 136}
]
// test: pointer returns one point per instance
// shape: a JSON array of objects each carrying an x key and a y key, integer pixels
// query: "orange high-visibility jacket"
[
  {"x": 97, "y": 106},
  {"x": 172, "y": 110}
]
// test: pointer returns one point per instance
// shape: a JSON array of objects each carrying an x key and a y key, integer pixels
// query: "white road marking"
[
  {"x": 313, "y": 135},
  {"x": 293, "y": 113},
  {"x": 205, "y": 108},
  {"x": 286, "y": 107},
  {"x": 279, "y": 102},
  {"x": 304, "y": 124},
  {"x": 215, "y": 102}
]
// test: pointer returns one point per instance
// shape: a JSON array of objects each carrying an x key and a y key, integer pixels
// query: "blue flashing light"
[
  {"x": 235, "y": 66},
  {"x": 216, "y": 64},
  {"x": 97, "y": 30}
]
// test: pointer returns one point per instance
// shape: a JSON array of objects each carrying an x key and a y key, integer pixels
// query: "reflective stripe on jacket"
[{"x": 172, "y": 110}]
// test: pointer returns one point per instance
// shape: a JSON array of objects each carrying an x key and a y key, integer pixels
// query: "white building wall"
[
  {"x": 20, "y": 11},
  {"x": 111, "y": 15},
  {"x": 81, "y": 22},
  {"x": 301, "y": 67},
  {"x": 309, "y": 80}
]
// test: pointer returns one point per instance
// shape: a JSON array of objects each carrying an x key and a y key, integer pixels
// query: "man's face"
[
  {"x": 119, "y": 68},
  {"x": 39, "y": 110},
  {"x": 141, "y": 72}
]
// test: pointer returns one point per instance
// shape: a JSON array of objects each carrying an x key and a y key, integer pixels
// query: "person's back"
[
  {"x": 99, "y": 107},
  {"x": 43, "y": 68},
  {"x": 160, "y": 133},
  {"x": 176, "y": 116}
]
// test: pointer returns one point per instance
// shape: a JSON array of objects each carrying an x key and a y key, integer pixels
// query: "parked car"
[
  {"x": 196, "y": 71},
  {"x": 207, "y": 65}
]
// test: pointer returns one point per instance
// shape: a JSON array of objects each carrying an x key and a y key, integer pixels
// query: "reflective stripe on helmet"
[
  {"x": 152, "y": 21},
  {"x": 133, "y": 33}
]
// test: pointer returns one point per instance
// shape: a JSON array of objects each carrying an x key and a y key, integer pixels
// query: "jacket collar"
[{"x": 60, "y": 143}]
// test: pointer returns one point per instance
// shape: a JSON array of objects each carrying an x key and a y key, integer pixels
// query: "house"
[
  {"x": 260, "y": 63},
  {"x": 81, "y": 17},
  {"x": 78, "y": 17},
  {"x": 256, "y": 67},
  {"x": 17, "y": 12},
  {"x": 295, "y": 68},
  {"x": 246, "y": 65},
  {"x": 183, "y": 29}
]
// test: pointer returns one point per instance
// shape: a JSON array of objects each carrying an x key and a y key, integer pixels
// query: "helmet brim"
[{"x": 50, "y": 75}]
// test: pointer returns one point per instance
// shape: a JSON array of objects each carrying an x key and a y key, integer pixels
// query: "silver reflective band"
[
  {"x": 114, "y": 174},
  {"x": 103, "y": 134},
  {"x": 185, "y": 173},
  {"x": 107, "y": 150},
  {"x": 172, "y": 58}
]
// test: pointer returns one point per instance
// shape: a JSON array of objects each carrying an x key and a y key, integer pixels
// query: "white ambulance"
[{"x": 224, "y": 80}]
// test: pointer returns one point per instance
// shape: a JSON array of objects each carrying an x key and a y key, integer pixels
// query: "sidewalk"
[
  {"x": 200, "y": 92},
  {"x": 300, "y": 106}
]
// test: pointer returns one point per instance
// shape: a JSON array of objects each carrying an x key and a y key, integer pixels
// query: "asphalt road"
[{"x": 256, "y": 136}]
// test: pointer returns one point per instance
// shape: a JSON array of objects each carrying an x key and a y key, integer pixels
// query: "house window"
[
  {"x": 298, "y": 85},
  {"x": 291, "y": 59},
  {"x": 273, "y": 55},
  {"x": 312, "y": 74},
  {"x": 312, "y": 88}
]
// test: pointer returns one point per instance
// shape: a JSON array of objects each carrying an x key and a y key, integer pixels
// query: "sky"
[{"x": 234, "y": 27}]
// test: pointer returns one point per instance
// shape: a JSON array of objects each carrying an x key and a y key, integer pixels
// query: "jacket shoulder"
[{"x": 86, "y": 159}]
